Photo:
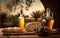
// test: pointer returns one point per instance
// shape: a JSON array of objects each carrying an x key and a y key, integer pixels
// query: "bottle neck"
[
  {"x": 49, "y": 14},
  {"x": 21, "y": 12}
]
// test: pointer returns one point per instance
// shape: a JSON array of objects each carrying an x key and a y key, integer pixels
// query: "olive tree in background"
[
  {"x": 36, "y": 15},
  {"x": 14, "y": 3}
]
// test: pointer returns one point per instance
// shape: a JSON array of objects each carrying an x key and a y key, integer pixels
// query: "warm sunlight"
[{"x": 36, "y": 6}]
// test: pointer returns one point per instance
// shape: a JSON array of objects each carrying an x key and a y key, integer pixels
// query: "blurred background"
[{"x": 10, "y": 11}]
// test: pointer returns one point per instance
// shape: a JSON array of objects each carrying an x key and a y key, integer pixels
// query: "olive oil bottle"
[
  {"x": 21, "y": 20},
  {"x": 50, "y": 19}
]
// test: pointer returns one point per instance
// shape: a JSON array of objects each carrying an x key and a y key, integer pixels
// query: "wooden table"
[
  {"x": 32, "y": 36},
  {"x": 20, "y": 35},
  {"x": 17, "y": 35},
  {"x": 52, "y": 35}
]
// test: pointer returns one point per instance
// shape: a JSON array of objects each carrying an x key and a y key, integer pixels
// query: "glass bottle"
[
  {"x": 50, "y": 19},
  {"x": 21, "y": 20}
]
